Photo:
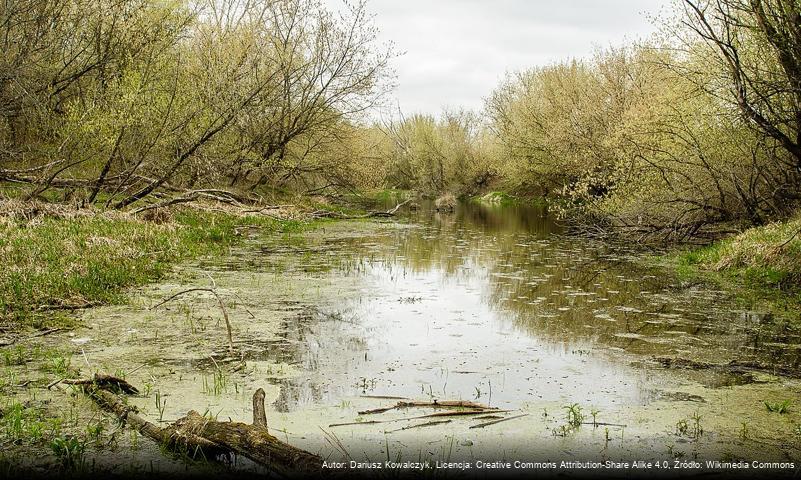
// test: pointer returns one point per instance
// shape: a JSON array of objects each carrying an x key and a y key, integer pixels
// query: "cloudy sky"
[{"x": 456, "y": 51}]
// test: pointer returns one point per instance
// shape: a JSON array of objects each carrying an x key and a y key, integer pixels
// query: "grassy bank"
[
  {"x": 762, "y": 266},
  {"x": 66, "y": 258}
]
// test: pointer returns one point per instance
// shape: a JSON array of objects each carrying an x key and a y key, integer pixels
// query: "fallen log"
[
  {"x": 250, "y": 441},
  {"x": 371, "y": 214},
  {"x": 199, "y": 436}
]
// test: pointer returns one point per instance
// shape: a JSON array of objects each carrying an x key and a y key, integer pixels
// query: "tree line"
[{"x": 119, "y": 102}]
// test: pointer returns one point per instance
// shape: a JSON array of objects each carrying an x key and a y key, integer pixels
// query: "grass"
[
  {"x": 767, "y": 256},
  {"x": 779, "y": 407},
  {"x": 62, "y": 261},
  {"x": 762, "y": 265}
]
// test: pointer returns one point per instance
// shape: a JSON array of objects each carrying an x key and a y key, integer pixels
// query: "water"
[
  {"x": 491, "y": 299},
  {"x": 487, "y": 304}
]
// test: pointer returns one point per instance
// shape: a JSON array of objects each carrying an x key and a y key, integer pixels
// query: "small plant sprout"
[
  {"x": 697, "y": 429},
  {"x": 574, "y": 415},
  {"x": 594, "y": 412},
  {"x": 161, "y": 405},
  {"x": 682, "y": 427},
  {"x": 743, "y": 431},
  {"x": 779, "y": 407},
  {"x": 69, "y": 450}
]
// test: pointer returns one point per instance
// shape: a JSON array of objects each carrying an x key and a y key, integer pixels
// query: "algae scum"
[{"x": 597, "y": 357}]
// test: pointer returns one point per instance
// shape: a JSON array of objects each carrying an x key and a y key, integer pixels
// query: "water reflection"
[{"x": 489, "y": 304}]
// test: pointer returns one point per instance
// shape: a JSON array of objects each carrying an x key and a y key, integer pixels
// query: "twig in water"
[
  {"x": 370, "y": 422},
  {"x": 493, "y": 422},
  {"x": 604, "y": 424},
  {"x": 137, "y": 368},
  {"x": 54, "y": 383},
  {"x": 434, "y": 404},
  {"x": 222, "y": 307},
  {"x": 419, "y": 425},
  {"x": 384, "y": 397}
]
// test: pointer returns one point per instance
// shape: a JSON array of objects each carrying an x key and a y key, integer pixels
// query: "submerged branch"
[{"x": 222, "y": 307}]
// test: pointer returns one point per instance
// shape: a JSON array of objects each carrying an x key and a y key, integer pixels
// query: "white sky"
[{"x": 458, "y": 50}]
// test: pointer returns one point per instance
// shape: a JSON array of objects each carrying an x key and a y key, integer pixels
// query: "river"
[{"x": 598, "y": 354}]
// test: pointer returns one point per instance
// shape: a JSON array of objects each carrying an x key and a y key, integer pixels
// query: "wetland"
[{"x": 582, "y": 350}]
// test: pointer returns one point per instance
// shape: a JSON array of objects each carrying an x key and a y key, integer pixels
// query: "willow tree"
[
  {"x": 757, "y": 45},
  {"x": 325, "y": 67},
  {"x": 59, "y": 58},
  {"x": 122, "y": 99}
]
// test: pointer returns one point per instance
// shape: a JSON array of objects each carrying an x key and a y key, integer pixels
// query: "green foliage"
[
  {"x": 762, "y": 257},
  {"x": 91, "y": 259},
  {"x": 436, "y": 156},
  {"x": 779, "y": 407},
  {"x": 124, "y": 98},
  {"x": 627, "y": 140},
  {"x": 70, "y": 451},
  {"x": 574, "y": 415},
  {"x": 21, "y": 424}
]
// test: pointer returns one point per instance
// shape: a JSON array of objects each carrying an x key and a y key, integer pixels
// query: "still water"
[
  {"x": 487, "y": 304},
  {"x": 492, "y": 304}
]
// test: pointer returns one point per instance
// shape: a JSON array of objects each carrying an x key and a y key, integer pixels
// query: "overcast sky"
[{"x": 456, "y": 51}]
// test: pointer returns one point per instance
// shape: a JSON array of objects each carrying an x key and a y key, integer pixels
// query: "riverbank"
[
  {"x": 59, "y": 259},
  {"x": 482, "y": 304},
  {"x": 760, "y": 266}
]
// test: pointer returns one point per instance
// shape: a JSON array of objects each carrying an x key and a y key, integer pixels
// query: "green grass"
[
  {"x": 52, "y": 261},
  {"x": 761, "y": 265},
  {"x": 765, "y": 256},
  {"x": 779, "y": 407}
]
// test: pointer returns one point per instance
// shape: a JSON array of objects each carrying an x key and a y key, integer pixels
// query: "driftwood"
[
  {"x": 434, "y": 404},
  {"x": 371, "y": 214},
  {"x": 250, "y": 441},
  {"x": 455, "y": 413},
  {"x": 259, "y": 415},
  {"x": 199, "y": 436}
]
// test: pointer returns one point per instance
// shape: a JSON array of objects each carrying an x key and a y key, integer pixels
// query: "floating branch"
[
  {"x": 434, "y": 404},
  {"x": 457, "y": 413},
  {"x": 493, "y": 422},
  {"x": 419, "y": 425}
]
